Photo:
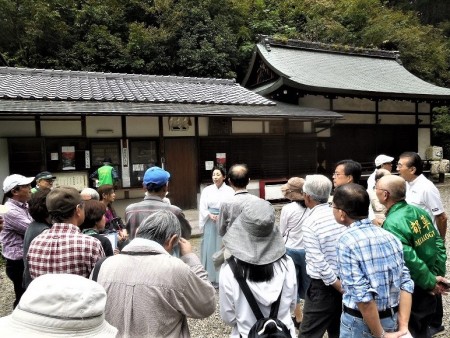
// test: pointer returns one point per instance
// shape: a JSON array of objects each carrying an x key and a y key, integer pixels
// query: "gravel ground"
[{"x": 213, "y": 326}]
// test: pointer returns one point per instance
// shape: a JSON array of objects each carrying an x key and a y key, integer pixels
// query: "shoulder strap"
[
  {"x": 276, "y": 306},
  {"x": 137, "y": 253},
  {"x": 96, "y": 269},
  {"x": 245, "y": 289}
]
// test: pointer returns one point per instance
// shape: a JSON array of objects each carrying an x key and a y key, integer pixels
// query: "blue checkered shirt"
[{"x": 371, "y": 266}]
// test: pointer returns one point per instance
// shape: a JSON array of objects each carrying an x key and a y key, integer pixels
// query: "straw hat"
[
  {"x": 252, "y": 237},
  {"x": 293, "y": 189}
]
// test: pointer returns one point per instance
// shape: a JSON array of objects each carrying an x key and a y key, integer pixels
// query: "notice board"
[{"x": 77, "y": 179}]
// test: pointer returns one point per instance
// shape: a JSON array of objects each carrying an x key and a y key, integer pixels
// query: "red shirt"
[{"x": 63, "y": 249}]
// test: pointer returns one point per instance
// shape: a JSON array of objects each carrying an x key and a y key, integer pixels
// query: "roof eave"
[
  {"x": 77, "y": 108},
  {"x": 364, "y": 94}
]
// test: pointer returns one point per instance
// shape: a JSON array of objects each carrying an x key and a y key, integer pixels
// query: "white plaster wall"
[
  {"x": 347, "y": 103},
  {"x": 203, "y": 123},
  {"x": 95, "y": 123},
  {"x": 247, "y": 127},
  {"x": 4, "y": 163},
  {"x": 357, "y": 118},
  {"x": 177, "y": 133},
  {"x": 307, "y": 127},
  {"x": 397, "y": 119},
  {"x": 324, "y": 133},
  {"x": 396, "y": 106},
  {"x": 424, "y": 140},
  {"x": 424, "y": 107},
  {"x": 314, "y": 101},
  {"x": 426, "y": 119},
  {"x": 144, "y": 126},
  {"x": 17, "y": 128},
  {"x": 61, "y": 128}
]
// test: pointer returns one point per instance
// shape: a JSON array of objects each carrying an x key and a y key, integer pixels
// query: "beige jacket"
[{"x": 150, "y": 293}]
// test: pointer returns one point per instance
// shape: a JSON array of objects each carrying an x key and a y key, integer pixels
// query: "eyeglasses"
[
  {"x": 338, "y": 174},
  {"x": 330, "y": 204}
]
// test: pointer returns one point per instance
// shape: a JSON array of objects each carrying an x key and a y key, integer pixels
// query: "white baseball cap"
[
  {"x": 14, "y": 180},
  {"x": 382, "y": 159}
]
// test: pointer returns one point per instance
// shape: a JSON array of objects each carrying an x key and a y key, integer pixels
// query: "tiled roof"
[
  {"x": 42, "y": 84},
  {"x": 12, "y": 108},
  {"x": 356, "y": 72}
]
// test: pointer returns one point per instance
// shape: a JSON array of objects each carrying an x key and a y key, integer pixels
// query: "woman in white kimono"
[{"x": 210, "y": 200}]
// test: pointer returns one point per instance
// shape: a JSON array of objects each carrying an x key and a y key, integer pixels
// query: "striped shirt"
[
  {"x": 63, "y": 249},
  {"x": 371, "y": 266},
  {"x": 135, "y": 213},
  {"x": 320, "y": 236}
]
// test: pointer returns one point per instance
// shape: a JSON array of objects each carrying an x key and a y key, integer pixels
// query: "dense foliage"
[{"x": 214, "y": 38}]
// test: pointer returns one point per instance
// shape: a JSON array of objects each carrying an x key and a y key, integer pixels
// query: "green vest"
[{"x": 105, "y": 175}]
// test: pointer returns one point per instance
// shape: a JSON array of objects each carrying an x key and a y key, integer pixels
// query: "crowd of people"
[{"x": 344, "y": 259}]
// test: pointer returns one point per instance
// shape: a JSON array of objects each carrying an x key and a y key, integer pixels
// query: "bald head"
[
  {"x": 380, "y": 173},
  {"x": 238, "y": 175},
  {"x": 394, "y": 185}
]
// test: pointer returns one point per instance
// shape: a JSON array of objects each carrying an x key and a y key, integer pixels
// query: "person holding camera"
[
  {"x": 113, "y": 223},
  {"x": 94, "y": 224}
]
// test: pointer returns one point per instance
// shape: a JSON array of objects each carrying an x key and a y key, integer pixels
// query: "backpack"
[{"x": 265, "y": 327}]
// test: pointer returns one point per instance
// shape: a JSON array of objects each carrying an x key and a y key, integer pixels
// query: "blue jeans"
[
  {"x": 303, "y": 280},
  {"x": 354, "y": 327}
]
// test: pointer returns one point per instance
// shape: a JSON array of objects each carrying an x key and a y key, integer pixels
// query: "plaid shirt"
[
  {"x": 16, "y": 222},
  {"x": 371, "y": 266},
  {"x": 63, "y": 249}
]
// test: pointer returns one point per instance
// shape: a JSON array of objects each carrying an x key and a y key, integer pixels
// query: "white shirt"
[
  {"x": 376, "y": 209},
  {"x": 235, "y": 310},
  {"x": 320, "y": 237},
  {"x": 423, "y": 193},
  {"x": 371, "y": 180},
  {"x": 291, "y": 221},
  {"x": 212, "y": 197}
]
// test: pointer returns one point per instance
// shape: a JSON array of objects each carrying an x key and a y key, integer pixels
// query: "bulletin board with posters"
[{"x": 77, "y": 179}]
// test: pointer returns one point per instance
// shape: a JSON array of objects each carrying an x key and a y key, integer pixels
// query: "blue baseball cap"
[{"x": 157, "y": 176}]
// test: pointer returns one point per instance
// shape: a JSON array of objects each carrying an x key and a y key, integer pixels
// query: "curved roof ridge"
[{"x": 329, "y": 48}]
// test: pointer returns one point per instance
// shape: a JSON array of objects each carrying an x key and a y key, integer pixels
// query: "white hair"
[
  {"x": 89, "y": 194},
  {"x": 159, "y": 227},
  {"x": 318, "y": 187}
]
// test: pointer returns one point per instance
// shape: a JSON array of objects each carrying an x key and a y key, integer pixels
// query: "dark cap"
[
  {"x": 63, "y": 200},
  {"x": 45, "y": 175}
]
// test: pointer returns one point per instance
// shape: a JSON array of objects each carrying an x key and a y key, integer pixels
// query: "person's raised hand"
[{"x": 185, "y": 246}]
